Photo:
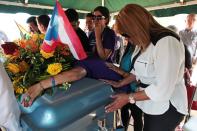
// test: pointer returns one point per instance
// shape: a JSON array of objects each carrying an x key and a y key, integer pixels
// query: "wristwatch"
[{"x": 131, "y": 98}]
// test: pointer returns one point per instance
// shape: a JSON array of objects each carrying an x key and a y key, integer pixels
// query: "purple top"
[
  {"x": 96, "y": 68},
  {"x": 108, "y": 41}
]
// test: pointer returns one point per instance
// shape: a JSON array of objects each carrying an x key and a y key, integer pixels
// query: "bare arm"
[
  {"x": 123, "y": 99},
  {"x": 102, "y": 52},
  {"x": 67, "y": 76},
  {"x": 117, "y": 69},
  {"x": 127, "y": 80}
]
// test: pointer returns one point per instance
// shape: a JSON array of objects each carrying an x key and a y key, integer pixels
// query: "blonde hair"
[{"x": 138, "y": 24}]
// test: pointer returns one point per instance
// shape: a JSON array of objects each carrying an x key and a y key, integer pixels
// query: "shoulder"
[
  {"x": 195, "y": 32},
  {"x": 181, "y": 31},
  {"x": 108, "y": 31},
  {"x": 80, "y": 31},
  {"x": 155, "y": 37}
]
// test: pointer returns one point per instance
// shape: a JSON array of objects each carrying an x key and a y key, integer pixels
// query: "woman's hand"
[
  {"x": 111, "y": 66},
  {"x": 98, "y": 30},
  {"x": 117, "y": 69},
  {"x": 115, "y": 84},
  {"x": 31, "y": 94},
  {"x": 120, "y": 100}
]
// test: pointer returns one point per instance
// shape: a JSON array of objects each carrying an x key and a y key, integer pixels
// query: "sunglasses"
[{"x": 98, "y": 17}]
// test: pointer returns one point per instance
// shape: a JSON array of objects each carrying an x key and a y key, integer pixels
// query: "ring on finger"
[{"x": 28, "y": 98}]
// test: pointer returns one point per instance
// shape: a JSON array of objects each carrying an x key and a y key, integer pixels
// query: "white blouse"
[
  {"x": 10, "y": 113},
  {"x": 161, "y": 66}
]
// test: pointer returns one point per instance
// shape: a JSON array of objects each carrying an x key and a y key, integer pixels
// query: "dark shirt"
[
  {"x": 84, "y": 39},
  {"x": 96, "y": 68},
  {"x": 188, "y": 60},
  {"x": 92, "y": 41},
  {"x": 108, "y": 41}
]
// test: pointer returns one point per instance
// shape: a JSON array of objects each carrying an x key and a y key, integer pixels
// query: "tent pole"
[
  {"x": 103, "y": 3},
  {"x": 26, "y": 1}
]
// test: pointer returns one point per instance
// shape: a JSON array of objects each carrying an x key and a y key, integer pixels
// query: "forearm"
[
  {"x": 122, "y": 72},
  {"x": 67, "y": 76},
  {"x": 47, "y": 83},
  {"x": 100, "y": 50},
  {"x": 117, "y": 70},
  {"x": 140, "y": 96},
  {"x": 127, "y": 80}
]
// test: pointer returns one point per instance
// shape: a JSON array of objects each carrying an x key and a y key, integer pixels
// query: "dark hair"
[
  {"x": 104, "y": 11},
  {"x": 32, "y": 19},
  {"x": 89, "y": 15},
  {"x": 44, "y": 20},
  {"x": 72, "y": 15}
]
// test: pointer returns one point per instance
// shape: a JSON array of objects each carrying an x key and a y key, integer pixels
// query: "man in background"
[
  {"x": 32, "y": 24},
  {"x": 73, "y": 18},
  {"x": 89, "y": 30},
  {"x": 189, "y": 36}
]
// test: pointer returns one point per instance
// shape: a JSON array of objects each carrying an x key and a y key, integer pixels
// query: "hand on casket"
[
  {"x": 32, "y": 92},
  {"x": 119, "y": 101}
]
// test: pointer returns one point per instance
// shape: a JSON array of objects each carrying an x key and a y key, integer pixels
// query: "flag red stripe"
[{"x": 72, "y": 34}]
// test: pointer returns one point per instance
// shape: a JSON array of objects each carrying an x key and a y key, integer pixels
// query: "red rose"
[{"x": 9, "y": 48}]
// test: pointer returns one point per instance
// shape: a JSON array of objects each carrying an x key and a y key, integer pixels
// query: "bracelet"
[
  {"x": 41, "y": 85},
  {"x": 53, "y": 83},
  {"x": 131, "y": 98}
]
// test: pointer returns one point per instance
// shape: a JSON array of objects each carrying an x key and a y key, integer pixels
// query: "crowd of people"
[{"x": 149, "y": 83}]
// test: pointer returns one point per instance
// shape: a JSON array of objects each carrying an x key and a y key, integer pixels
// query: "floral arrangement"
[{"x": 26, "y": 64}]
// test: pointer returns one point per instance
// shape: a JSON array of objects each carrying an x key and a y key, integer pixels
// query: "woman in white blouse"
[
  {"x": 158, "y": 67},
  {"x": 10, "y": 113}
]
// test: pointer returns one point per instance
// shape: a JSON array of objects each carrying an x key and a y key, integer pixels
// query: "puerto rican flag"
[{"x": 61, "y": 31}]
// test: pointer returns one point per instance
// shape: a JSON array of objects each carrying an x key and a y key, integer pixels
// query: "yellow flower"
[
  {"x": 14, "y": 68},
  {"x": 54, "y": 69},
  {"x": 19, "y": 90},
  {"x": 46, "y": 55},
  {"x": 23, "y": 66},
  {"x": 25, "y": 90},
  {"x": 34, "y": 37},
  {"x": 41, "y": 36}
]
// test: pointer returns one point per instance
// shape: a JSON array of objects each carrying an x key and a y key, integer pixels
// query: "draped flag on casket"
[{"x": 61, "y": 31}]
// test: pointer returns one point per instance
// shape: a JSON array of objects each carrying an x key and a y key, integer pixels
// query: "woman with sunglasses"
[
  {"x": 104, "y": 36},
  {"x": 158, "y": 67}
]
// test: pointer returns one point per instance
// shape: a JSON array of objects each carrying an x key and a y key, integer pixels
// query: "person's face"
[
  {"x": 89, "y": 23},
  {"x": 99, "y": 18},
  {"x": 75, "y": 25},
  {"x": 190, "y": 21},
  {"x": 32, "y": 27},
  {"x": 41, "y": 28}
]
